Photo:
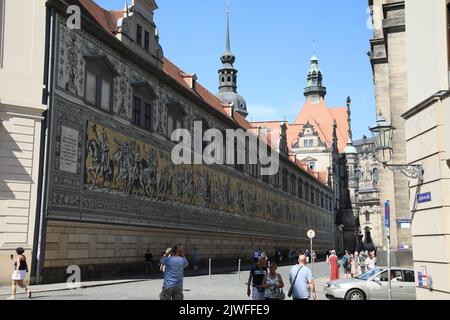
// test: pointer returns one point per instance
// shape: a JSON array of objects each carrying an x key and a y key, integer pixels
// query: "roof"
[
  {"x": 322, "y": 118},
  {"x": 108, "y": 21}
]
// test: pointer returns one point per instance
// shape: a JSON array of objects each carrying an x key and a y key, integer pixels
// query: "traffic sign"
[{"x": 311, "y": 234}]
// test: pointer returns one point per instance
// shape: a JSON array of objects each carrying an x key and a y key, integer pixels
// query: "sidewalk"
[{"x": 6, "y": 290}]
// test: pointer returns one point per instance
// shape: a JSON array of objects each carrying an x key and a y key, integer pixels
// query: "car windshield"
[{"x": 368, "y": 274}]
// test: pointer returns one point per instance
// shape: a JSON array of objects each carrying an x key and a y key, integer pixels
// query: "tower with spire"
[
  {"x": 314, "y": 90},
  {"x": 228, "y": 77}
]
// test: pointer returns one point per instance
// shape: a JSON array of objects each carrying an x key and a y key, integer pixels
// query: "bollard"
[
  {"x": 239, "y": 269},
  {"x": 210, "y": 268}
]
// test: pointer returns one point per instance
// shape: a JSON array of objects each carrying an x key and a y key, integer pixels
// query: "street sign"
[
  {"x": 311, "y": 234},
  {"x": 424, "y": 197}
]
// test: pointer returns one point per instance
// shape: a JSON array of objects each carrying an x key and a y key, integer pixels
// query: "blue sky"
[{"x": 273, "y": 43}]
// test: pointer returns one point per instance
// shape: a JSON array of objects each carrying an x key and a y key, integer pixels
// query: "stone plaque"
[{"x": 69, "y": 150}]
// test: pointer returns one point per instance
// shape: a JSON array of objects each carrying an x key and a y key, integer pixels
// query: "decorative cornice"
[{"x": 438, "y": 96}]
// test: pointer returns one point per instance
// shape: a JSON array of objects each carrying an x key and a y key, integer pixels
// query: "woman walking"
[
  {"x": 273, "y": 283},
  {"x": 334, "y": 266},
  {"x": 19, "y": 273}
]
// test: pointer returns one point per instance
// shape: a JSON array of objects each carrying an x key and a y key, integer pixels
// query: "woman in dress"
[
  {"x": 334, "y": 266},
  {"x": 273, "y": 283},
  {"x": 19, "y": 273}
]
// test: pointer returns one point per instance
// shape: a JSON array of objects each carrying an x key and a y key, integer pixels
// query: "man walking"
[
  {"x": 257, "y": 274},
  {"x": 174, "y": 264},
  {"x": 195, "y": 260},
  {"x": 302, "y": 282},
  {"x": 148, "y": 262}
]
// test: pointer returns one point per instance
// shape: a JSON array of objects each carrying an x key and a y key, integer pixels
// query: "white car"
[{"x": 373, "y": 285}]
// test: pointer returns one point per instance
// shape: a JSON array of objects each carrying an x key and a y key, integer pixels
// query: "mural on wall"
[{"x": 117, "y": 164}]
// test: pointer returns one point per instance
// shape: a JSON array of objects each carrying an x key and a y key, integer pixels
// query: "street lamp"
[{"x": 382, "y": 135}]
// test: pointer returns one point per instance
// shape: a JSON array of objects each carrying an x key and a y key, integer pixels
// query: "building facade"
[
  {"x": 320, "y": 138},
  {"x": 388, "y": 56},
  {"x": 111, "y": 190},
  {"x": 370, "y": 224},
  {"x": 427, "y": 129},
  {"x": 22, "y": 108}
]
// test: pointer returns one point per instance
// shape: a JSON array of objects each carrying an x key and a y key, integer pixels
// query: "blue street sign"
[
  {"x": 424, "y": 197},
  {"x": 404, "y": 220},
  {"x": 387, "y": 214}
]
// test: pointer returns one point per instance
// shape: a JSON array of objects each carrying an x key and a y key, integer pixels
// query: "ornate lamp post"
[{"x": 382, "y": 135}]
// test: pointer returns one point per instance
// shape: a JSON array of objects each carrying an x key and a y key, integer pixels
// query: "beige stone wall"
[
  {"x": 391, "y": 95},
  {"x": 427, "y": 141},
  {"x": 71, "y": 243},
  {"x": 20, "y": 128}
]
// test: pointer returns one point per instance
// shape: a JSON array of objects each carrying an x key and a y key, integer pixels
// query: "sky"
[{"x": 273, "y": 42}]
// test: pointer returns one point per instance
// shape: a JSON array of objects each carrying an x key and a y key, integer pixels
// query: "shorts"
[
  {"x": 257, "y": 295},
  {"x": 19, "y": 275},
  {"x": 171, "y": 294}
]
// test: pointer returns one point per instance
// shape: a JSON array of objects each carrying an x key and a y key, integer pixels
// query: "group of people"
[
  {"x": 353, "y": 264},
  {"x": 264, "y": 283}
]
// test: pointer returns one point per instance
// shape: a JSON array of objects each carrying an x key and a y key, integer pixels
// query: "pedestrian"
[
  {"x": 148, "y": 262},
  {"x": 357, "y": 263},
  {"x": 174, "y": 263},
  {"x": 302, "y": 281},
  {"x": 334, "y": 266},
  {"x": 195, "y": 260},
  {"x": 19, "y": 273},
  {"x": 371, "y": 261},
  {"x": 168, "y": 253},
  {"x": 328, "y": 253},
  {"x": 352, "y": 266},
  {"x": 362, "y": 262},
  {"x": 256, "y": 255},
  {"x": 273, "y": 283},
  {"x": 346, "y": 264},
  {"x": 255, "y": 279}
]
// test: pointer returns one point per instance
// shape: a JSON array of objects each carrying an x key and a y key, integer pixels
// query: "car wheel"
[{"x": 355, "y": 294}]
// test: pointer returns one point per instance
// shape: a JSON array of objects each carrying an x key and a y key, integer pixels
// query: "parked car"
[{"x": 373, "y": 285}]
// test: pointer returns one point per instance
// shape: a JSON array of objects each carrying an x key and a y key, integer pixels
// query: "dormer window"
[
  {"x": 143, "y": 102},
  {"x": 175, "y": 117},
  {"x": 139, "y": 35},
  {"x": 99, "y": 82}
]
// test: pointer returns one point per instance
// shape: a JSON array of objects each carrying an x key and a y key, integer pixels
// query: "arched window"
[
  {"x": 312, "y": 199},
  {"x": 307, "y": 194},
  {"x": 367, "y": 214},
  {"x": 300, "y": 188},
  {"x": 322, "y": 200}
]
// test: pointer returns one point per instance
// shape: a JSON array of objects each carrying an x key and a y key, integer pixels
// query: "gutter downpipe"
[{"x": 48, "y": 97}]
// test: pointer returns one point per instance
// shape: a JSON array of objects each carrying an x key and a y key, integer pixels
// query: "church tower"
[
  {"x": 315, "y": 91},
  {"x": 228, "y": 77}
]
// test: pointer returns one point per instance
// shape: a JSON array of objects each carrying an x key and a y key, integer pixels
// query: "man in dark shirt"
[
  {"x": 256, "y": 278},
  {"x": 148, "y": 262}
]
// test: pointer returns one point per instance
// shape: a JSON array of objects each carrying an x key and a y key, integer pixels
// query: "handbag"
[
  {"x": 293, "y": 283},
  {"x": 281, "y": 295}
]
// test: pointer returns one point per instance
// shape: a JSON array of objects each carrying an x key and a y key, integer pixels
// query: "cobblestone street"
[{"x": 225, "y": 286}]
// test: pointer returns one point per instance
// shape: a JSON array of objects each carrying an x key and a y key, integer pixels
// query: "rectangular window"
[
  {"x": 139, "y": 35},
  {"x": 137, "y": 111},
  {"x": 305, "y": 143},
  {"x": 147, "y": 41},
  {"x": 2, "y": 28},
  {"x": 148, "y": 119},
  {"x": 91, "y": 87},
  {"x": 106, "y": 95}
]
